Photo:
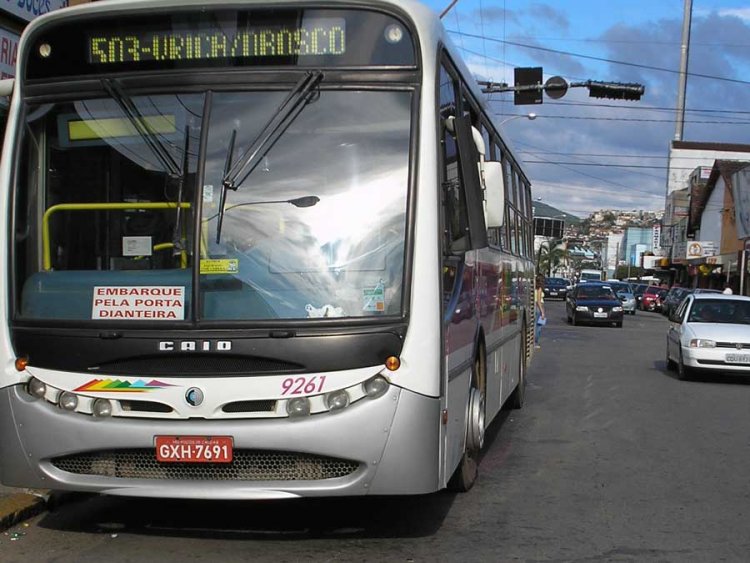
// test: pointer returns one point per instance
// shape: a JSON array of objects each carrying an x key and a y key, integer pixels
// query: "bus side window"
[{"x": 455, "y": 218}]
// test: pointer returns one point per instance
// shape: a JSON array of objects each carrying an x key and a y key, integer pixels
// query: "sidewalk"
[{"x": 17, "y": 505}]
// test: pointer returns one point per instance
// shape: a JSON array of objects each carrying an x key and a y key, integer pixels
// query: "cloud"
[
  {"x": 545, "y": 13},
  {"x": 741, "y": 13}
]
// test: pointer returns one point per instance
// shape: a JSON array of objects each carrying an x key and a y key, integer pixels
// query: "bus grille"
[{"x": 246, "y": 465}]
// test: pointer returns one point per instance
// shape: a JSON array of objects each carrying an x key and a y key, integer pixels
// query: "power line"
[
  {"x": 639, "y": 107},
  {"x": 600, "y": 59},
  {"x": 610, "y": 165},
  {"x": 633, "y": 119}
]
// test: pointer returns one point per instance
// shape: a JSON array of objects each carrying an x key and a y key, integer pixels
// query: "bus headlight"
[
  {"x": 36, "y": 388},
  {"x": 337, "y": 400},
  {"x": 299, "y": 406},
  {"x": 68, "y": 401},
  {"x": 375, "y": 387},
  {"x": 102, "y": 408}
]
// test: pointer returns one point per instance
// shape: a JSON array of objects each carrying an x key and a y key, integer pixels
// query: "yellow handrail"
[{"x": 46, "y": 256}]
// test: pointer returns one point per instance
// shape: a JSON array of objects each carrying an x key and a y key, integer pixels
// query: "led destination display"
[{"x": 319, "y": 37}]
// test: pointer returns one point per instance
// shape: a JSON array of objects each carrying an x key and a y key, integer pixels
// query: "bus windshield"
[{"x": 119, "y": 197}]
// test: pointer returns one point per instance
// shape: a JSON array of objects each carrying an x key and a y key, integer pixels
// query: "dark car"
[
  {"x": 673, "y": 299},
  {"x": 555, "y": 288},
  {"x": 594, "y": 302}
]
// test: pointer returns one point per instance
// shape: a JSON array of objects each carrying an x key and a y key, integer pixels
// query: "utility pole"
[{"x": 684, "y": 53}]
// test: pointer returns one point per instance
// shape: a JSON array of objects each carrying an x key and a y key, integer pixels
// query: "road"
[{"x": 611, "y": 459}]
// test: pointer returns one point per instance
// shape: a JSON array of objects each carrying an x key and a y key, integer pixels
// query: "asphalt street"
[{"x": 611, "y": 459}]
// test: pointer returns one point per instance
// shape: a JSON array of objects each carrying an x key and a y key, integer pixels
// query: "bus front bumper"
[{"x": 388, "y": 445}]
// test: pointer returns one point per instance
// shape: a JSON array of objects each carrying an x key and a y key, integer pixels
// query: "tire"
[
  {"x": 619, "y": 325},
  {"x": 671, "y": 364},
  {"x": 683, "y": 371},
  {"x": 518, "y": 398},
  {"x": 573, "y": 320},
  {"x": 467, "y": 471}
]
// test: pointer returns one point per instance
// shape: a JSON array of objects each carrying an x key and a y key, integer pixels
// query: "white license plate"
[
  {"x": 553, "y": 293},
  {"x": 737, "y": 358},
  {"x": 600, "y": 315}
]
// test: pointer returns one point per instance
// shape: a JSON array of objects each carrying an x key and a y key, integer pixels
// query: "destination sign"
[{"x": 319, "y": 37}]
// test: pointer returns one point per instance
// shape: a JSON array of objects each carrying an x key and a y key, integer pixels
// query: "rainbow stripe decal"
[{"x": 120, "y": 386}]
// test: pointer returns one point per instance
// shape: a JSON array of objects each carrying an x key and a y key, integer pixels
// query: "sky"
[{"x": 582, "y": 153}]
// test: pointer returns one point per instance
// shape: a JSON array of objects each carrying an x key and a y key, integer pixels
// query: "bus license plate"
[
  {"x": 194, "y": 449},
  {"x": 738, "y": 358}
]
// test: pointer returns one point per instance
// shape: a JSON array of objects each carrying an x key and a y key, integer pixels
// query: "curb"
[{"x": 16, "y": 507}]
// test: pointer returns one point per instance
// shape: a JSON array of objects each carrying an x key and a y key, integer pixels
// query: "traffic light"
[{"x": 615, "y": 90}]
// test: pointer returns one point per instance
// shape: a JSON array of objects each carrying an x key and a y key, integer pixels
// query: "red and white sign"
[{"x": 138, "y": 303}]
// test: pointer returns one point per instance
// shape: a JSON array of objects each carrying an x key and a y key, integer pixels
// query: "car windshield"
[
  {"x": 594, "y": 292},
  {"x": 720, "y": 311},
  {"x": 107, "y": 226},
  {"x": 556, "y": 282},
  {"x": 621, "y": 288}
]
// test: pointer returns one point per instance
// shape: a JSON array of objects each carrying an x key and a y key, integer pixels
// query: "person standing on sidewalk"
[{"x": 540, "y": 319}]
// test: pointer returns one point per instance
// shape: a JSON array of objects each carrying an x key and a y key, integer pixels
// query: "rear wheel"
[
  {"x": 519, "y": 394},
  {"x": 466, "y": 473}
]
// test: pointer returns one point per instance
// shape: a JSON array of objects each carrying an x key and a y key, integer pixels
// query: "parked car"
[
  {"x": 594, "y": 302},
  {"x": 556, "y": 288},
  {"x": 652, "y": 298},
  {"x": 673, "y": 298},
  {"x": 710, "y": 331},
  {"x": 624, "y": 292}
]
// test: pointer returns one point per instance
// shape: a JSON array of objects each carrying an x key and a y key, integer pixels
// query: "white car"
[{"x": 710, "y": 331}]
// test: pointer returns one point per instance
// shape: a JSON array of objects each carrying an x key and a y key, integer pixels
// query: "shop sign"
[
  {"x": 27, "y": 10},
  {"x": 8, "y": 53},
  {"x": 700, "y": 249}
]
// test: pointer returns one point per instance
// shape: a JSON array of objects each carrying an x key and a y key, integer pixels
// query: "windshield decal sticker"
[
  {"x": 220, "y": 266},
  {"x": 374, "y": 298},
  {"x": 160, "y": 303},
  {"x": 120, "y": 386}
]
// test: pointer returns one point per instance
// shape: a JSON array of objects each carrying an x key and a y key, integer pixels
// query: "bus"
[
  {"x": 255, "y": 250},
  {"x": 591, "y": 275}
]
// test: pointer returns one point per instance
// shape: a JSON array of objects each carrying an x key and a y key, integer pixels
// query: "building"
[{"x": 689, "y": 167}]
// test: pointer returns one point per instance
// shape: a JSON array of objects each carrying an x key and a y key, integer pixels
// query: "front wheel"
[
  {"x": 466, "y": 473},
  {"x": 683, "y": 371},
  {"x": 670, "y": 362}
]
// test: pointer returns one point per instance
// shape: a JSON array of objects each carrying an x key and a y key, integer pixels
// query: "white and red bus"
[{"x": 259, "y": 249}]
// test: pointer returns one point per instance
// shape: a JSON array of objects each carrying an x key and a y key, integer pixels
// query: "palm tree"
[{"x": 551, "y": 255}]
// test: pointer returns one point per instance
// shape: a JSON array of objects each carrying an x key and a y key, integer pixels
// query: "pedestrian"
[{"x": 540, "y": 319}]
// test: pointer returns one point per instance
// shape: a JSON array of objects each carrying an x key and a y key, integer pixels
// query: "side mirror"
[{"x": 494, "y": 194}]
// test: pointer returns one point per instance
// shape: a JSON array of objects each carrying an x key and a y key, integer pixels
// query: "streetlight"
[{"x": 529, "y": 116}]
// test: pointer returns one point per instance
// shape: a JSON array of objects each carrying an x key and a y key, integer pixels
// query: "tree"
[{"x": 552, "y": 254}]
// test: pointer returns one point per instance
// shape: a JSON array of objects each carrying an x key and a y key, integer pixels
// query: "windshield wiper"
[
  {"x": 142, "y": 126},
  {"x": 177, "y": 241},
  {"x": 304, "y": 92}
]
